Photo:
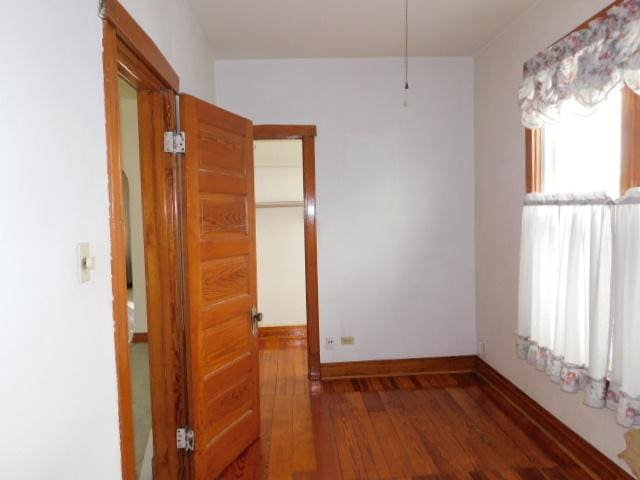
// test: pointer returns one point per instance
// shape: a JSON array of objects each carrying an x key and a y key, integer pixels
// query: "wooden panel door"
[{"x": 220, "y": 254}]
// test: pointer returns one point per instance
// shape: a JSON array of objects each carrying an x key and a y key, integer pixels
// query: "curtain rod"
[
  {"x": 633, "y": 200},
  {"x": 569, "y": 201},
  {"x": 628, "y": 201}
]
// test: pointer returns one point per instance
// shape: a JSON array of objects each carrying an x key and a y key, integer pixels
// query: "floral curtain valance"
[{"x": 584, "y": 66}]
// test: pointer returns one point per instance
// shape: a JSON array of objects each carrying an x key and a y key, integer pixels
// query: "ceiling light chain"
[{"x": 405, "y": 101}]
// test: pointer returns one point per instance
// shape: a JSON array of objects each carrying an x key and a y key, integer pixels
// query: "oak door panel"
[{"x": 220, "y": 258}]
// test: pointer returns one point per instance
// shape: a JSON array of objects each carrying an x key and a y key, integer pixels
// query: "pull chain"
[{"x": 405, "y": 101}]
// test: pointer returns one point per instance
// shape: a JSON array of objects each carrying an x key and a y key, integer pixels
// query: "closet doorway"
[{"x": 284, "y": 177}]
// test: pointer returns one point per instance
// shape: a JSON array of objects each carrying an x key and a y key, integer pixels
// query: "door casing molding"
[{"x": 129, "y": 53}]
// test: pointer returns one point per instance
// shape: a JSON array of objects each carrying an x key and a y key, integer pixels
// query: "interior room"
[{"x": 363, "y": 239}]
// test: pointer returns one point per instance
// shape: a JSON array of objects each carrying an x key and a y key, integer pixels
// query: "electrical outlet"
[
  {"x": 481, "y": 348},
  {"x": 347, "y": 340},
  {"x": 329, "y": 343}
]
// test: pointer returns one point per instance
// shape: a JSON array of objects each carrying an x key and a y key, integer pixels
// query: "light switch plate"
[{"x": 83, "y": 251}]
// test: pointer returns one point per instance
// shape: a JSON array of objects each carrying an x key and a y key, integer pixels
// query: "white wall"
[
  {"x": 131, "y": 166},
  {"x": 395, "y": 194},
  {"x": 499, "y": 192},
  {"x": 280, "y": 232},
  {"x": 278, "y": 170},
  {"x": 175, "y": 29},
  {"x": 57, "y": 361},
  {"x": 281, "y": 282}
]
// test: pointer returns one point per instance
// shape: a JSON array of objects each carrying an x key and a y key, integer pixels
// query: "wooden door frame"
[
  {"x": 128, "y": 52},
  {"x": 307, "y": 134}
]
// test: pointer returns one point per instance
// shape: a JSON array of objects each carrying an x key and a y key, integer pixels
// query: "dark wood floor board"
[
  {"x": 374, "y": 384},
  {"x": 530, "y": 473},
  {"x": 328, "y": 463},
  {"x": 527, "y": 445},
  {"x": 391, "y": 443},
  {"x": 368, "y": 442},
  {"x": 406, "y": 382},
  {"x": 352, "y": 465},
  {"x": 444, "y": 430},
  {"x": 267, "y": 403},
  {"x": 516, "y": 417},
  {"x": 305, "y": 476},
  {"x": 372, "y": 401},
  {"x": 477, "y": 444},
  {"x": 564, "y": 473},
  {"x": 497, "y": 449}
]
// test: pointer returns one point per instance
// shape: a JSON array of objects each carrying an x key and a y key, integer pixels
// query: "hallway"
[{"x": 441, "y": 426}]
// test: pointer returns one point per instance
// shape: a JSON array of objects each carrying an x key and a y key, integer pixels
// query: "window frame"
[{"x": 630, "y": 146}]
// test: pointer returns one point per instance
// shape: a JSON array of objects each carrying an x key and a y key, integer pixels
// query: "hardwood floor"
[{"x": 420, "y": 427}]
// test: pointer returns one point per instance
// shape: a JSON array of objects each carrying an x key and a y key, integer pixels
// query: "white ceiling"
[{"x": 352, "y": 28}]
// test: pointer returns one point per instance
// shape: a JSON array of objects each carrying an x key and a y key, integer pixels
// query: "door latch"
[{"x": 256, "y": 317}]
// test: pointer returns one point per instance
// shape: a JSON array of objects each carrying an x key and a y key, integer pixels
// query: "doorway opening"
[
  {"x": 136, "y": 281},
  {"x": 284, "y": 163},
  {"x": 280, "y": 238}
]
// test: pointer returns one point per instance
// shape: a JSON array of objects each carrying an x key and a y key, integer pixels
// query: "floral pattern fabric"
[
  {"x": 586, "y": 65},
  {"x": 598, "y": 392}
]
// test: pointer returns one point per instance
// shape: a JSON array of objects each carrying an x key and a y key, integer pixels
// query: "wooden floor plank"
[
  {"x": 281, "y": 451},
  {"x": 324, "y": 441},
  {"x": 352, "y": 464},
  {"x": 266, "y": 424},
  {"x": 301, "y": 379},
  {"x": 304, "y": 454},
  {"x": 286, "y": 378},
  {"x": 370, "y": 449},
  {"x": 268, "y": 371},
  {"x": 490, "y": 443},
  {"x": 392, "y": 445},
  {"x": 419, "y": 457},
  {"x": 510, "y": 429},
  {"x": 551, "y": 450},
  {"x": 415, "y": 427},
  {"x": 445, "y": 431}
]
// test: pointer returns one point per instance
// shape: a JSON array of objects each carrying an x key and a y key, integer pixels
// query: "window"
[
  {"x": 581, "y": 152},
  {"x": 594, "y": 152},
  {"x": 578, "y": 309}
]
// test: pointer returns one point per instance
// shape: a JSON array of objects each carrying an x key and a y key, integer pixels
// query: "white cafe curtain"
[
  {"x": 624, "y": 392},
  {"x": 565, "y": 317}
]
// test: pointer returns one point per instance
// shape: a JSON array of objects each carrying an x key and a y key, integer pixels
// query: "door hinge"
[
  {"x": 102, "y": 9},
  {"x": 186, "y": 439},
  {"x": 174, "y": 142}
]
